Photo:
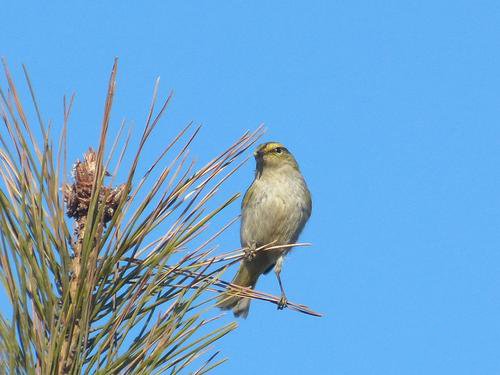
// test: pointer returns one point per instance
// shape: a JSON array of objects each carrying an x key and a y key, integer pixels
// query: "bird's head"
[{"x": 273, "y": 155}]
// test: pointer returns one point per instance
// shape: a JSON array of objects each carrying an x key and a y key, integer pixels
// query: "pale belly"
[{"x": 275, "y": 215}]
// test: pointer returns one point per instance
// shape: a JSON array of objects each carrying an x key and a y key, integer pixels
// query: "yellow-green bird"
[{"x": 274, "y": 211}]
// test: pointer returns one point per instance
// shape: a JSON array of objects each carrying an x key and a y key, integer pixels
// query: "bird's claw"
[
  {"x": 249, "y": 253},
  {"x": 283, "y": 302}
]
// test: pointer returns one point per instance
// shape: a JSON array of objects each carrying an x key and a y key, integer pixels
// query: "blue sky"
[{"x": 392, "y": 109}]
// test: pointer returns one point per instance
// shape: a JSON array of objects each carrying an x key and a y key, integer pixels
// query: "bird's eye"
[{"x": 278, "y": 150}]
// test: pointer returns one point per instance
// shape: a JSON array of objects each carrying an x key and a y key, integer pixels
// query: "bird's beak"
[{"x": 257, "y": 154}]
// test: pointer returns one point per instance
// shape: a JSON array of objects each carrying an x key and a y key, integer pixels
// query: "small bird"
[{"x": 274, "y": 210}]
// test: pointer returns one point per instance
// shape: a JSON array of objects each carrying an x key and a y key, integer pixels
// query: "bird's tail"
[{"x": 240, "y": 305}]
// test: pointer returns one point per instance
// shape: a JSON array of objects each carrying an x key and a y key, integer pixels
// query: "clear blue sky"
[{"x": 392, "y": 109}]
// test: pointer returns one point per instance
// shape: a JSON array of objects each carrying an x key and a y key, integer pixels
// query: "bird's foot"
[
  {"x": 283, "y": 302},
  {"x": 249, "y": 253}
]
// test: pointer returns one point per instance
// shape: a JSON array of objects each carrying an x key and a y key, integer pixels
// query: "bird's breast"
[{"x": 276, "y": 211}]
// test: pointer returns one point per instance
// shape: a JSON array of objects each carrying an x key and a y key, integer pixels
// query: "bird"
[{"x": 274, "y": 211}]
